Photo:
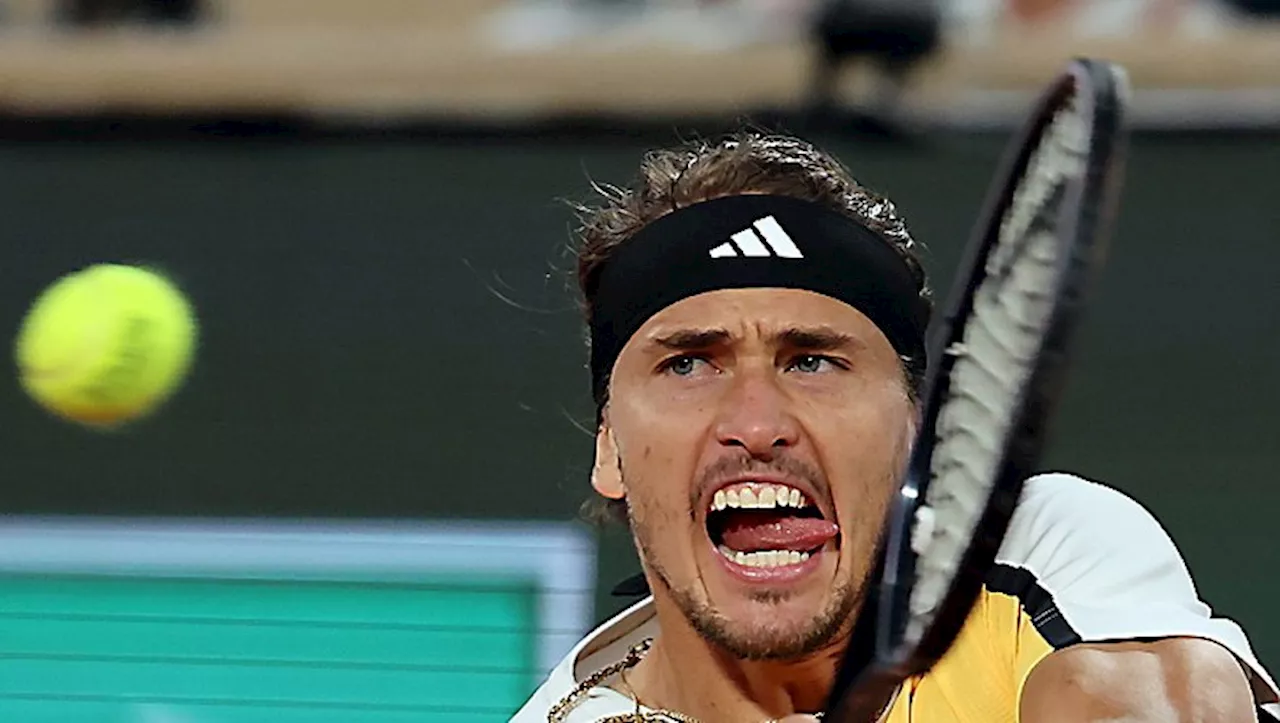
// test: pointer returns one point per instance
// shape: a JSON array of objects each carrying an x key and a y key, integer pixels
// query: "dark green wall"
[{"x": 387, "y": 332}]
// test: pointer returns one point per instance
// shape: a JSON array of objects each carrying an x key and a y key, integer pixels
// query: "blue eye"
[
  {"x": 683, "y": 366},
  {"x": 811, "y": 363}
]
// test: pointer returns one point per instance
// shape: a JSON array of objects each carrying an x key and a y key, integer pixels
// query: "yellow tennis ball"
[{"x": 106, "y": 345}]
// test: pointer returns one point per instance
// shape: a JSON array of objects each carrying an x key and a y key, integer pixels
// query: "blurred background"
[{"x": 362, "y": 506}]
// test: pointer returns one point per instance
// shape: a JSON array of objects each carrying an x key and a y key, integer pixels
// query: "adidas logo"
[{"x": 764, "y": 238}]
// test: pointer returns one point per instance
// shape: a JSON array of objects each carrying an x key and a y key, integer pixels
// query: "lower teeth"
[{"x": 765, "y": 558}]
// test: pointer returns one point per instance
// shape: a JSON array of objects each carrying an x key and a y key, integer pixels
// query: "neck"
[{"x": 685, "y": 673}]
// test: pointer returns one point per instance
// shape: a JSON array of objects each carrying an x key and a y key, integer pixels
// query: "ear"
[{"x": 606, "y": 473}]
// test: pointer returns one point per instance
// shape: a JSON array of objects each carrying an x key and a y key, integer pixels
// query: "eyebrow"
[
  {"x": 692, "y": 339},
  {"x": 818, "y": 338}
]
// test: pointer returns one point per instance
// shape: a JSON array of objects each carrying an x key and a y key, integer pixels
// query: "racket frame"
[{"x": 878, "y": 658}]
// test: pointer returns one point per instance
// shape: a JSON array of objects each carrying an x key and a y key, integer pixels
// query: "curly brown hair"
[{"x": 745, "y": 162}]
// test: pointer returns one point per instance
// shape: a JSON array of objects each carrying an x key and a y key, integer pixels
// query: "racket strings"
[{"x": 997, "y": 350}]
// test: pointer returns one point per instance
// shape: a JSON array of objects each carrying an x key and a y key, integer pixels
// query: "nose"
[{"x": 756, "y": 416}]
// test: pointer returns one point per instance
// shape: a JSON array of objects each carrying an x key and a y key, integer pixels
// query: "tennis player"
[{"x": 753, "y": 421}]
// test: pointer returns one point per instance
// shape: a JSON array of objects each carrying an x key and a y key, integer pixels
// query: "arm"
[
  {"x": 1116, "y": 631},
  {"x": 1177, "y": 680}
]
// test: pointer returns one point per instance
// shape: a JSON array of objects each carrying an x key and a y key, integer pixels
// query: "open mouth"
[{"x": 767, "y": 525}]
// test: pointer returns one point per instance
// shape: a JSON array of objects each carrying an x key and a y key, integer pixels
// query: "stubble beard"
[{"x": 740, "y": 640}]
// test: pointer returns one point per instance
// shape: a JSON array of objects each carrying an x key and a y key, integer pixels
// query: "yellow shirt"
[{"x": 980, "y": 679}]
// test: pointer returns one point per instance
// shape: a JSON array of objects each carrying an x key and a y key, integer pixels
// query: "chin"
[
  {"x": 771, "y": 639},
  {"x": 767, "y": 624}
]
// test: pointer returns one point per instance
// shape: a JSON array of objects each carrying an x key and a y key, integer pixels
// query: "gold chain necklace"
[{"x": 561, "y": 709}]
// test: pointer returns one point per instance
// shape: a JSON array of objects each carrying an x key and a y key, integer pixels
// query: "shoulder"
[
  {"x": 554, "y": 696},
  {"x": 601, "y": 649},
  {"x": 551, "y": 697},
  {"x": 1082, "y": 539},
  {"x": 1090, "y": 564},
  {"x": 1060, "y": 508},
  {"x": 559, "y": 683}
]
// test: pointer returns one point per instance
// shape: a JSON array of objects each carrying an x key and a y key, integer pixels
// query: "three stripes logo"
[{"x": 765, "y": 238}]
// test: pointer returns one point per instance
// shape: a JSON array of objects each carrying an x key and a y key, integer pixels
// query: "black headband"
[{"x": 752, "y": 242}]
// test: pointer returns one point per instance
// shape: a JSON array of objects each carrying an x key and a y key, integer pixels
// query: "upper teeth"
[{"x": 752, "y": 495}]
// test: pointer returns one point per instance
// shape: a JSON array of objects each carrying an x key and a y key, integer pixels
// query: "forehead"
[{"x": 748, "y": 312}]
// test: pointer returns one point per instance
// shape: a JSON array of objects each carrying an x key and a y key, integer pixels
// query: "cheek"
[
  {"x": 658, "y": 445},
  {"x": 657, "y": 463},
  {"x": 867, "y": 446},
  {"x": 651, "y": 466},
  {"x": 877, "y": 411}
]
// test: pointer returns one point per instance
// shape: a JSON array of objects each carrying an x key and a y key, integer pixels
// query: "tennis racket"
[{"x": 998, "y": 355}]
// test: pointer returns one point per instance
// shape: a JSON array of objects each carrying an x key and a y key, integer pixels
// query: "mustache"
[{"x": 745, "y": 466}]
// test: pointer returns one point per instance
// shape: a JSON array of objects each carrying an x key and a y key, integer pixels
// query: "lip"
[
  {"x": 805, "y": 488},
  {"x": 773, "y": 575}
]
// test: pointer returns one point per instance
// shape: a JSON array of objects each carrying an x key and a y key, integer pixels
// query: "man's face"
[{"x": 760, "y": 434}]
